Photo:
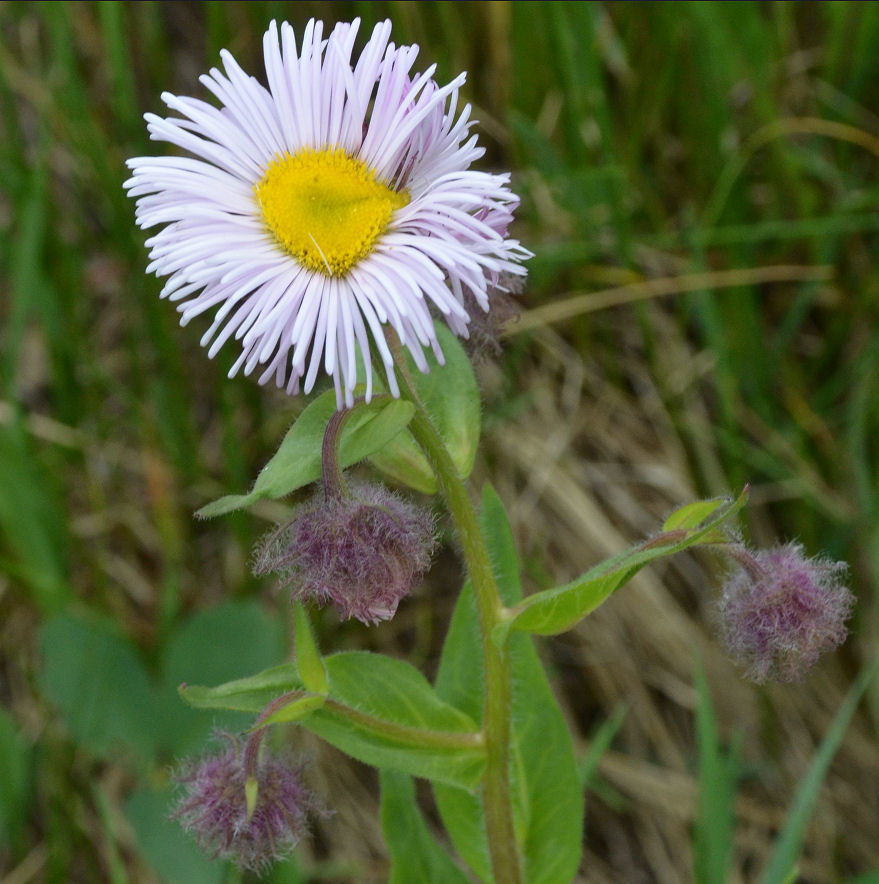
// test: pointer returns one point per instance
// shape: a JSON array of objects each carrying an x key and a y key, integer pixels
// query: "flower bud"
[
  {"x": 781, "y": 610},
  {"x": 215, "y": 808},
  {"x": 362, "y": 550},
  {"x": 486, "y": 326}
]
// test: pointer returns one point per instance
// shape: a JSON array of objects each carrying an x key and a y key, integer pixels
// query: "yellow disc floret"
[{"x": 326, "y": 208}]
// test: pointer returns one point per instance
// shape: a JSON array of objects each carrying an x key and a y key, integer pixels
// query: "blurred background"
[{"x": 699, "y": 186}]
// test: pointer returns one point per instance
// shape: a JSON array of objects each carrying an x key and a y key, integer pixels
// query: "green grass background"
[{"x": 730, "y": 149}]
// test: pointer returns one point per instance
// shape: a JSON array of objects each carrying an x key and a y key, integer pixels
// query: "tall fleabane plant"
[{"x": 328, "y": 221}]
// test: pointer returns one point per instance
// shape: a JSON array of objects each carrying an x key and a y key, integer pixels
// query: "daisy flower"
[{"x": 312, "y": 212}]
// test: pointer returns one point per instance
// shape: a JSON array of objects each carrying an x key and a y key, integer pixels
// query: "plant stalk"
[
  {"x": 334, "y": 484},
  {"x": 496, "y": 724}
]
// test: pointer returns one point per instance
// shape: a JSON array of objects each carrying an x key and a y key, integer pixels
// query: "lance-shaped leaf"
[
  {"x": 450, "y": 395},
  {"x": 308, "y": 660},
  {"x": 556, "y": 610},
  {"x": 298, "y": 707},
  {"x": 297, "y": 462},
  {"x": 251, "y": 694},
  {"x": 385, "y": 713},
  {"x": 692, "y": 515},
  {"x": 379, "y": 710},
  {"x": 789, "y": 841},
  {"x": 415, "y": 854},
  {"x": 547, "y": 795}
]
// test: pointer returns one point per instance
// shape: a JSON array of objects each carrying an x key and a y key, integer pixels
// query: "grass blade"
[
  {"x": 790, "y": 840},
  {"x": 718, "y": 774}
]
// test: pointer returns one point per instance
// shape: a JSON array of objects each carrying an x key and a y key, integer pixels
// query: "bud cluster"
[
  {"x": 214, "y": 807},
  {"x": 362, "y": 550},
  {"x": 780, "y": 611}
]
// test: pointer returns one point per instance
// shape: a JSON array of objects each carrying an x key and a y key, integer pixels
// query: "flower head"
[
  {"x": 363, "y": 550},
  {"x": 781, "y": 610},
  {"x": 214, "y": 807},
  {"x": 313, "y": 212},
  {"x": 487, "y": 328}
]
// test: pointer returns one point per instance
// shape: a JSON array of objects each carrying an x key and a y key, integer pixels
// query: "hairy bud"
[
  {"x": 781, "y": 610},
  {"x": 487, "y": 326},
  {"x": 363, "y": 551},
  {"x": 214, "y": 807}
]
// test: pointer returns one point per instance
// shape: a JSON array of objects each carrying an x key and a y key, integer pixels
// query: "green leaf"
[
  {"x": 32, "y": 522},
  {"x": 556, "y": 610},
  {"x": 96, "y": 679},
  {"x": 789, "y": 844},
  {"x": 172, "y": 854},
  {"x": 719, "y": 774},
  {"x": 691, "y": 515},
  {"x": 459, "y": 681},
  {"x": 297, "y": 709},
  {"x": 229, "y": 503},
  {"x": 415, "y": 855},
  {"x": 450, "y": 395},
  {"x": 297, "y": 461},
  {"x": 308, "y": 659},
  {"x": 213, "y": 646},
  {"x": 379, "y": 710},
  {"x": 385, "y": 713},
  {"x": 251, "y": 694},
  {"x": 549, "y": 809}
]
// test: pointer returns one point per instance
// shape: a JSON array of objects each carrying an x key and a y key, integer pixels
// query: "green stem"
[{"x": 496, "y": 725}]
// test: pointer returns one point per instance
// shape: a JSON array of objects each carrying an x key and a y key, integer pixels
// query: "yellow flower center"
[{"x": 326, "y": 208}]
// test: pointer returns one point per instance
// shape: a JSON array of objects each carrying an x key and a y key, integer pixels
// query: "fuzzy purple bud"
[
  {"x": 781, "y": 610},
  {"x": 214, "y": 807},
  {"x": 363, "y": 550}
]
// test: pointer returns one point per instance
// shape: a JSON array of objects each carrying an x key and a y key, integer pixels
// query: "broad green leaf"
[
  {"x": 308, "y": 659},
  {"x": 393, "y": 709},
  {"x": 459, "y": 681},
  {"x": 379, "y": 710},
  {"x": 415, "y": 854},
  {"x": 549, "y": 809},
  {"x": 402, "y": 461},
  {"x": 98, "y": 682},
  {"x": 250, "y": 694},
  {"x": 173, "y": 854},
  {"x": 215, "y": 645},
  {"x": 556, "y": 610},
  {"x": 297, "y": 461},
  {"x": 719, "y": 773},
  {"x": 789, "y": 844},
  {"x": 451, "y": 397}
]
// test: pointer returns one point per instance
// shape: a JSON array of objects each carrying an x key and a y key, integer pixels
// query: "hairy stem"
[
  {"x": 334, "y": 484},
  {"x": 496, "y": 723}
]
